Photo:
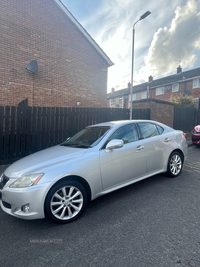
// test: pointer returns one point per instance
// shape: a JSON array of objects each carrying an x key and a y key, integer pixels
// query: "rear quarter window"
[{"x": 150, "y": 129}]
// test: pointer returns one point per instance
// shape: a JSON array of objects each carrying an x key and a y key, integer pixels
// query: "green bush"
[{"x": 182, "y": 100}]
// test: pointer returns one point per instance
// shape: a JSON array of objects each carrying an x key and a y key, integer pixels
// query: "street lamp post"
[{"x": 132, "y": 66}]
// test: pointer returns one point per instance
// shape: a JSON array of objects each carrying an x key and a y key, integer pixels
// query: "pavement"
[{"x": 3, "y": 167}]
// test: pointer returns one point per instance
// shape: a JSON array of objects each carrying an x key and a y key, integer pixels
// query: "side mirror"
[{"x": 113, "y": 144}]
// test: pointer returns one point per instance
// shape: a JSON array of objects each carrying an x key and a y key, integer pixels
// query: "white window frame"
[
  {"x": 120, "y": 100},
  {"x": 196, "y": 83},
  {"x": 134, "y": 97},
  {"x": 112, "y": 101},
  {"x": 175, "y": 87},
  {"x": 160, "y": 90},
  {"x": 144, "y": 95}
]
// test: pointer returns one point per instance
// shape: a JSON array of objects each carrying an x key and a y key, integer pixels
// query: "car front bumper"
[
  {"x": 25, "y": 203},
  {"x": 196, "y": 139}
]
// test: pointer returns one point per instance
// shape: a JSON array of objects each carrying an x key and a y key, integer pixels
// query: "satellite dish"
[{"x": 32, "y": 66}]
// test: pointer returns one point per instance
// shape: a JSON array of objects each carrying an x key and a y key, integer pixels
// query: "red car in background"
[{"x": 196, "y": 135}]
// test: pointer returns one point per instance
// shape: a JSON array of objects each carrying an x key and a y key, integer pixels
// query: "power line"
[
  {"x": 168, "y": 51},
  {"x": 175, "y": 47}
]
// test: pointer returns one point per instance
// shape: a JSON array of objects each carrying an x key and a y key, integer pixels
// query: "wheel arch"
[
  {"x": 77, "y": 178},
  {"x": 180, "y": 152},
  {"x": 82, "y": 186}
]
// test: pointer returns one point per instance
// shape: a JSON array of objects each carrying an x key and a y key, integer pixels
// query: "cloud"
[
  {"x": 169, "y": 36},
  {"x": 177, "y": 44},
  {"x": 111, "y": 27}
]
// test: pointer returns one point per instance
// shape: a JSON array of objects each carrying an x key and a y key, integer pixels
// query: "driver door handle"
[{"x": 139, "y": 148}]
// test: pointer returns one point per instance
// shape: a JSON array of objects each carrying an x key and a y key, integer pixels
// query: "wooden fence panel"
[
  {"x": 2, "y": 132},
  {"x": 198, "y": 117},
  {"x": 184, "y": 118},
  {"x": 12, "y": 130},
  {"x": 25, "y": 130}
]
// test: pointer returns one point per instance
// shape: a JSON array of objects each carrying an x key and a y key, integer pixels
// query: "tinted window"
[
  {"x": 128, "y": 133},
  {"x": 160, "y": 129},
  {"x": 88, "y": 137},
  {"x": 149, "y": 129}
]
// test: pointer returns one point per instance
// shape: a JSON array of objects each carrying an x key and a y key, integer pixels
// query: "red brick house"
[
  {"x": 72, "y": 68},
  {"x": 183, "y": 82}
]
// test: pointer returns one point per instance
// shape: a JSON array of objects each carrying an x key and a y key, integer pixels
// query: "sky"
[{"x": 167, "y": 38}]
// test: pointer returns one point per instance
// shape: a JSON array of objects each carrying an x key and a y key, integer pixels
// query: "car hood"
[{"x": 42, "y": 159}]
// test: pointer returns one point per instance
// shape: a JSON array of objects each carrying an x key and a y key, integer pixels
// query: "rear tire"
[
  {"x": 65, "y": 201},
  {"x": 175, "y": 165}
]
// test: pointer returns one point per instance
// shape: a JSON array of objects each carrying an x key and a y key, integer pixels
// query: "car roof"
[{"x": 122, "y": 122}]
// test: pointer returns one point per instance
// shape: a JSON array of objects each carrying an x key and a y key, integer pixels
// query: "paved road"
[{"x": 154, "y": 223}]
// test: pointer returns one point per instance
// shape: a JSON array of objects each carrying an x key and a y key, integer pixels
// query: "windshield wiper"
[
  {"x": 65, "y": 144},
  {"x": 77, "y": 145}
]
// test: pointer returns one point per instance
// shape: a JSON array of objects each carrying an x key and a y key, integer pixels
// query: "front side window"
[
  {"x": 175, "y": 87},
  {"x": 196, "y": 83},
  {"x": 149, "y": 129},
  {"x": 128, "y": 133},
  {"x": 160, "y": 91}
]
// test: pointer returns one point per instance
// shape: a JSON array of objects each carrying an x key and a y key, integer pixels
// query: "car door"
[
  {"x": 121, "y": 165},
  {"x": 157, "y": 146}
]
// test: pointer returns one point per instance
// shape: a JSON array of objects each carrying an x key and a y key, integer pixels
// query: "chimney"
[
  {"x": 150, "y": 78},
  {"x": 179, "y": 69}
]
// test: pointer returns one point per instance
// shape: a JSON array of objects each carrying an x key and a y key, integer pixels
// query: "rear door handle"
[{"x": 167, "y": 139}]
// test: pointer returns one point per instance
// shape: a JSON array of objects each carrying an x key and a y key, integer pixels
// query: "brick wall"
[
  {"x": 161, "y": 111},
  {"x": 185, "y": 86},
  {"x": 70, "y": 69}
]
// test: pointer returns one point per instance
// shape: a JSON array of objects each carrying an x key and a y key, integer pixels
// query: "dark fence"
[
  {"x": 198, "y": 117},
  {"x": 24, "y": 130},
  {"x": 186, "y": 118}
]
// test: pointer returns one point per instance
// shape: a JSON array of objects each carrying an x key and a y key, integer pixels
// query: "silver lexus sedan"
[{"x": 59, "y": 181}]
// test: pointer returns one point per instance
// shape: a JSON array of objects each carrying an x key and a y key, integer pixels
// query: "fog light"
[{"x": 25, "y": 208}]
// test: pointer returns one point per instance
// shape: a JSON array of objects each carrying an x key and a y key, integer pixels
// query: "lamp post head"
[{"x": 145, "y": 15}]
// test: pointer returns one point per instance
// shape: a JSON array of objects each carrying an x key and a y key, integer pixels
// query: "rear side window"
[
  {"x": 149, "y": 129},
  {"x": 160, "y": 129}
]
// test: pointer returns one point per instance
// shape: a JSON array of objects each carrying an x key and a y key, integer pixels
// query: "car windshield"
[{"x": 88, "y": 137}]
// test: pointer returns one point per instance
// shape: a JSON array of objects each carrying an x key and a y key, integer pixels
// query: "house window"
[
  {"x": 112, "y": 101},
  {"x": 160, "y": 91},
  {"x": 144, "y": 95},
  {"x": 120, "y": 100},
  {"x": 175, "y": 87},
  {"x": 133, "y": 97},
  {"x": 196, "y": 83}
]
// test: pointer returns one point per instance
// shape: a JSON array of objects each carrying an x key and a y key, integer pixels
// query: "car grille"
[
  {"x": 3, "y": 180},
  {"x": 195, "y": 138}
]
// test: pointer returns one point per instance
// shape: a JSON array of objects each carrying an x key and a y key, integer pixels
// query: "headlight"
[{"x": 27, "y": 180}]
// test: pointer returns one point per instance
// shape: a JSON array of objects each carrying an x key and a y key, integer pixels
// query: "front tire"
[
  {"x": 175, "y": 164},
  {"x": 65, "y": 201}
]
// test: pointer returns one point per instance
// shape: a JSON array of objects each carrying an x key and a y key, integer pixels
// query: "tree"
[{"x": 182, "y": 100}]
